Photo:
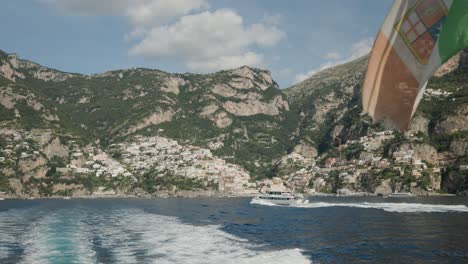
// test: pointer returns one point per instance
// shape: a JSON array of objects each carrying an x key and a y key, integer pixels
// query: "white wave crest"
[
  {"x": 45, "y": 238},
  {"x": 263, "y": 202},
  {"x": 393, "y": 207},
  {"x": 168, "y": 240},
  {"x": 56, "y": 239},
  {"x": 389, "y": 207},
  {"x": 128, "y": 236}
]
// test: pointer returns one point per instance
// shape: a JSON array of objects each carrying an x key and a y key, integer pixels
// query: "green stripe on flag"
[{"x": 454, "y": 34}]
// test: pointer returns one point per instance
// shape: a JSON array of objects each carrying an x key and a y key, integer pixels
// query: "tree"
[{"x": 335, "y": 181}]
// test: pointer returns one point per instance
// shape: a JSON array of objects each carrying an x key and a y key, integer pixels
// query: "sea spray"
[
  {"x": 393, "y": 207},
  {"x": 128, "y": 236}
]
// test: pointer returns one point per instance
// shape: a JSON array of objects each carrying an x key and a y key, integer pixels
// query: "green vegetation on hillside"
[{"x": 110, "y": 107}]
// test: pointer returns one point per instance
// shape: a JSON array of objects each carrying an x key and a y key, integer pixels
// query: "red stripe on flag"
[{"x": 390, "y": 89}]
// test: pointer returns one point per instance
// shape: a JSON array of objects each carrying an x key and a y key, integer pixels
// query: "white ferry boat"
[{"x": 281, "y": 198}]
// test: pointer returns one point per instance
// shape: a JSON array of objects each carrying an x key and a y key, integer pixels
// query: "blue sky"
[{"x": 291, "y": 38}]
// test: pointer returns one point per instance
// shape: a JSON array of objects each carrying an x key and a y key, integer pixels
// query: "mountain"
[
  {"x": 143, "y": 131},
  {"x": 238, "y": 114},
  {"x": 328, "y": 104},
  {"x": 329, "y": 107}
]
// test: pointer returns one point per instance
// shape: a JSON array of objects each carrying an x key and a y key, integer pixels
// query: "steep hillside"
[
  {"x": 238, "y": 115},
  {"x": 329, "y": 107},
  {"x": 143, "y": 131},
  {"x": 329, "y": 103}
]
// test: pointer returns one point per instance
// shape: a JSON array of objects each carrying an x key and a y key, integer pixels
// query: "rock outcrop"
[
  {"x": 454, "y": 123},
  {"x": 456, "y": 62},
  {"x": 55, "y": 149},
  {"x": 306, "y": 150},
  {"x": 422, "y": 152},
  {"x": 459, "y": 147},
  {"x": 153, "y": 119},
  {"x": 222, "y": 120},
  {"x": 173, "y": 84},
  {"x": 419, "y": 124},
  {"x": 255, "y": 107}
]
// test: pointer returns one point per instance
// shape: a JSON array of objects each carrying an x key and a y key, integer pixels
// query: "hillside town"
[
  {"x": 232, "y": 132},
  {"x": 421, "y": 171},
  {"x": 356, "y": 167},
  {"x": 130, "y": 159}
]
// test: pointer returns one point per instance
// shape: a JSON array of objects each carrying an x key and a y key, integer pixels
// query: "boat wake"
[
  {"x": 263, "y": 202},
  {"x": 128, "y": 236},
  {"x": 177, "y": 242},
  {"x": 394, "y": 207},
  {"x": 268, "y": 203},
  {"x": 389, "y": 207}
]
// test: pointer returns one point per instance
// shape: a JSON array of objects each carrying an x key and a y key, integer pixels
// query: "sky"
[{"x": 292, "y": 38}]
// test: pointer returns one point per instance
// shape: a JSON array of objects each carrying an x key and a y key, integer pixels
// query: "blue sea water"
[{"x": 232, "y": 230}]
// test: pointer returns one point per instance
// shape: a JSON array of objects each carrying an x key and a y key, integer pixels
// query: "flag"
[{"x": 417, "y": 37}]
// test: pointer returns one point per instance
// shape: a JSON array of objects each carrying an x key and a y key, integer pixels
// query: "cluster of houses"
[
  {"x": 141, "y": 154},
  {"x": 133, "y": 158},
  {"x": 313, "y": 177},
  {"x": 436, "y": 92},
  {"x": 165, "y": 155},
  {"x": 98, "y": 162},
  {"x": 16, "y": 145},
  {"x": 159, "y": 154}
]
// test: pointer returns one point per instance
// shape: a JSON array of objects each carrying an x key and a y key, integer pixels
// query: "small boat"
[
  {"x": 400, "y": 194},
  {"x": 1, "y": 198},
  {"x": 280, "y": 198}
]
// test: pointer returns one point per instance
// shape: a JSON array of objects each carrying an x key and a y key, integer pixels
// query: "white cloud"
[
  {"x": 303, "y": 76},
  {"x": 225, "y": 62},
  {"x": 361, "y": 48},
  {"x": 146, "y": 14},
  {"x": 332, "y": 56},
  {"x": 357, "y": 50},
  {"x": 140, "y": 13},
  {"x": 209, "y": 41},
  {"x": 156, "y": 12},
  {"x": 185, "y": 30}
]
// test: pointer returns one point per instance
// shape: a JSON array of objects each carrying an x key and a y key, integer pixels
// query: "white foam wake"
[
  {"x": 263, "y": 202},
  {"x": 389, "y": 207},
  {"x": 168, "y": 240},
  {"x": 43, "y": 238},
  {"x": 393, "y": 207},
  {"x": 172, "y": 241},
  {"x": 57, "y": 239},
  {"x": 128, "y": 236}
]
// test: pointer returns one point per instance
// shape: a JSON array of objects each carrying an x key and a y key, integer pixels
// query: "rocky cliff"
[
  {"x": 237, "y": 115},
  {"x": 140, "y": 131},
  {"x": 330, "y": 120}
]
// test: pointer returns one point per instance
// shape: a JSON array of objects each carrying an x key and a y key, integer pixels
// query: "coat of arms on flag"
[
  {"x": 420, "y": 27},
  {"x": 415, "y": 39}
]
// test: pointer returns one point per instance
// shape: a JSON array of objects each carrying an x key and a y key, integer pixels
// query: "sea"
[{"x": 234, "y": 230}]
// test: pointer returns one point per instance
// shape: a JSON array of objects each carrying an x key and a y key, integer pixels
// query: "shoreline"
[
  {"x": 196, "y": 194},
  {"x": 184, "y": 194}
]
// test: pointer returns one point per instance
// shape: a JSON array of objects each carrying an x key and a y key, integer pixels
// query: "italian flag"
[{"x": 417, "y": 37}]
